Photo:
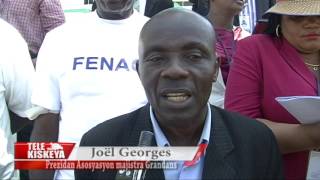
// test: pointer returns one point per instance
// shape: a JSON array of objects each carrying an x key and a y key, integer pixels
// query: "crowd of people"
[{"x": 190, "y": 77}]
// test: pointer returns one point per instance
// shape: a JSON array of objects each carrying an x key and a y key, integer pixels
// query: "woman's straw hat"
[{"x": 296, "y": 7}]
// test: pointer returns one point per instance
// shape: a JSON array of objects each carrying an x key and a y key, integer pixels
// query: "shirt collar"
[{"x": 162, "y": 139}]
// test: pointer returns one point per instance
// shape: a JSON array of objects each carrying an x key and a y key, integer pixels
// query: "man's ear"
[{"x": 216, "y": 70}]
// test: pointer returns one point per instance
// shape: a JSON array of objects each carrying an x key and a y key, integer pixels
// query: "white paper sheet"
[
  {"x": 314, "y": 166},
  {"x": 306, "y": 109}
]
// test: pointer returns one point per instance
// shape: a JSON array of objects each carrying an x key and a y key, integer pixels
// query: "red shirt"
[
  {"x": 33, "y": 19},
  {"x": 265, "y": 68}
]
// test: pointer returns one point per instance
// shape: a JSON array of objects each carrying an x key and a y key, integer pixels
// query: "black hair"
[
  {"x": 273, "y": 21},
  {"x": 94, "y": 6},
  {"x": 201, "y": 7}
]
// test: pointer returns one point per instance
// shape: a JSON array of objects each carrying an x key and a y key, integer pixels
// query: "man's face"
[
  {"x": 114, "y": 6},
  {"x": 177, "y": 67}
]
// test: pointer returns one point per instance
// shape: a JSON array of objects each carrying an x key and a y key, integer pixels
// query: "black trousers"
[{"x": 23, "y": 129}]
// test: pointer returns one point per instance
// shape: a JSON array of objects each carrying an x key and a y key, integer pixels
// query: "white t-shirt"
[
  {"x": 218, "y": 91},
  {"x": 16, "y": 71},
  {"x": 86, "y": 72},
  {"x": 219, "y": 88},
  {"x": 141, "y": 5}
]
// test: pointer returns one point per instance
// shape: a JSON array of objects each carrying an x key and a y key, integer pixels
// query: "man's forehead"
[
  {"x": 174, "y": 43},
  {"x": 177, "y": 46},
  {"x": 176, "y": 35}
]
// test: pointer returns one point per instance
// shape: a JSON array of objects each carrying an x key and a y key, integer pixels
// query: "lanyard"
[
  {"x": 229, "y": 55},
  {"x": 200, "y": 153},
  {"x": 318, "y": 87}
]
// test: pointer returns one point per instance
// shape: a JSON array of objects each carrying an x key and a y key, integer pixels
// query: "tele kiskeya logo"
[{"x": 45, "y": 151}]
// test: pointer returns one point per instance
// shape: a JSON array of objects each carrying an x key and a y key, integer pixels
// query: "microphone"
[{"x": 145, "y": 139}]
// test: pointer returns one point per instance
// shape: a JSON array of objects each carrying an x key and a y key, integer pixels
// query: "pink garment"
[
  {"x": 33, "y": 18},
  {"x": 265, "y": 68},
  {"x": 226, "y": 46}
]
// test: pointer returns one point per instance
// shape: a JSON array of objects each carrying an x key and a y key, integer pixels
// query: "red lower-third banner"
[
  {"x": 61, "y": 155},
  {"x": 93, "y": 165}
]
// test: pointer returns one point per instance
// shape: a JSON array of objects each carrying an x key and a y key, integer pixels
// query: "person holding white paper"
[{"x": 284, "y": 61}]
